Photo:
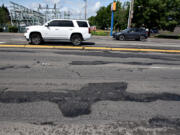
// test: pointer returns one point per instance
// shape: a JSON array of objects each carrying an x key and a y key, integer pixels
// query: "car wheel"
[
  {"x": 142, "y": 38},
  {"x": 76, "y": 39},
  {"x": 36, "y": 39},
  {"x": 121, "y": 38}
]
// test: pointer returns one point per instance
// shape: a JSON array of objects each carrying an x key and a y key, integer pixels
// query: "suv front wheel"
[
  {"x": 36, "y": 39},
  {"x": 76, "y": 39}
]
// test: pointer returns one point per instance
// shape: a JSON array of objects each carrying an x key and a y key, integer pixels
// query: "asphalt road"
[
  {"x": 53, "y": 91},
  {"x": 99, "y": 41}
]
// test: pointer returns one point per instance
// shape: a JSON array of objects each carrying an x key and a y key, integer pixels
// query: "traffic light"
[{"x": 113, "y": 6}]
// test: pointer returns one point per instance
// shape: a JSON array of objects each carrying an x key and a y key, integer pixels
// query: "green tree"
[
  {"x": 92, "y": 20},
  {"x": 103, "y": 18},
  {"x": 160, "y": 14},
  {"x": 121, "y": 16},
  {"x": 4, "y": 16}
]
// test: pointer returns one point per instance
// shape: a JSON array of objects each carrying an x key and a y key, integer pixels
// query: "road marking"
[
  {"x": 91, "y": 48},
  {"x": 2, "y": 42}
]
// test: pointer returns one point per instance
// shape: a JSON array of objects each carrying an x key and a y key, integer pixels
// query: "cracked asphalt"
[{"x": 52, "y": 91}]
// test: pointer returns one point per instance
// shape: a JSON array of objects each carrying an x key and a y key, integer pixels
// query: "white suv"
[{"x": 75, "y": 31}]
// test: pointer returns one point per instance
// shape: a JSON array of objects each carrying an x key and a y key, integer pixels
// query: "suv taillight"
[{"x": 89, "y": 30}]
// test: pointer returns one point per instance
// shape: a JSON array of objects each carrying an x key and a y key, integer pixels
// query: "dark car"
[{"x": 131, "y": 34}]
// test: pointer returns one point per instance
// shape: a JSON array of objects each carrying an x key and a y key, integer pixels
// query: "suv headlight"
[{"x": 26, "y": 30}]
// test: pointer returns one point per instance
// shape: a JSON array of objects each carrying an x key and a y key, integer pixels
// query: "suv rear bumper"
[{"x": 86, "y": 36}]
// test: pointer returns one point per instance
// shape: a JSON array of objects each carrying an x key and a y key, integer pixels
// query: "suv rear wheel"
[
  {"x": 76, "y": 39},
  {"x": 36, "y": 39}
]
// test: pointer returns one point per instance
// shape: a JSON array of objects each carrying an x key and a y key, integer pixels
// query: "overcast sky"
[{"x": 75, "y": 6}]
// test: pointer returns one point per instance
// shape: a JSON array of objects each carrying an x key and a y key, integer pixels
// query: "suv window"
[
  {"x": 66, "y": 23},
  {"x": 82, "y": 24},
  {"x": 61, "y": 23},
  {"x": 54, "y": 24}
]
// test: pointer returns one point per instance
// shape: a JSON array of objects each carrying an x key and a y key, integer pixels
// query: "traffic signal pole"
[
  {"x": 112, "y": 22},
  {"x": 113, "y": 8}
]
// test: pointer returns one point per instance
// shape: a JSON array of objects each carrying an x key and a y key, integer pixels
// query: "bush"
[
  {"x": 12, "y": 29},
  {"x": 1, "y": 29}
]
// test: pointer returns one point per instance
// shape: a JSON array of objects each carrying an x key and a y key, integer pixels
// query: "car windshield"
[{"x": 126, "y": 30}]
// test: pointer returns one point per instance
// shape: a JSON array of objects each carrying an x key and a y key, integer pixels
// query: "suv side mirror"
[{"x": 46, "y": 25}]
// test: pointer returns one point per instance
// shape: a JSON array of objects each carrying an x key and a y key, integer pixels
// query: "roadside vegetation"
[
  {"x": 5, "y": 21},
  {"x": 101, "y": 33},
  {"x": 151, "y": 14}
]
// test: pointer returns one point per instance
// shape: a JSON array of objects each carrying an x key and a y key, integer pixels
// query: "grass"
[
  {"x": 101, "y": 33},
  {"x": 168, "y": 36}
]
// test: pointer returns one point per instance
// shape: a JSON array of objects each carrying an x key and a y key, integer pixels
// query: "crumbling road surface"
[{"x": 79, "y": 92}]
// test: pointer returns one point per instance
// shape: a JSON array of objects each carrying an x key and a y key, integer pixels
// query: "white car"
[{"x": 75, "y": 31}]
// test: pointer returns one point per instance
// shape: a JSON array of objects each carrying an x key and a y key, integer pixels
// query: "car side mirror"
[{"x": 46, "y": 25}]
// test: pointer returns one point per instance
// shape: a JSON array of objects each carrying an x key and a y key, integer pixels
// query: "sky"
[{"x": 75, "y": 6}]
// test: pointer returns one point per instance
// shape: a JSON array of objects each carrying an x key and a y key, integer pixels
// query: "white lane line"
[{"x": 2, "y": 42}]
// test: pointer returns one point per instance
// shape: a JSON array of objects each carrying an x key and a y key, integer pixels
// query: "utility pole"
[
  {"x": 131, "y": 11},
  {"x": 85, "y": 9}
]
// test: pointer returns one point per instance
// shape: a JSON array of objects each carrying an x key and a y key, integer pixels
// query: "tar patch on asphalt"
[
  {"x": 76, "y": 103},
  {"x": 121, "y": 55},
  {"x": 14, "y": 67},
  {"x": 162, "y": 122},
  {"x": 128, "y": 63}
]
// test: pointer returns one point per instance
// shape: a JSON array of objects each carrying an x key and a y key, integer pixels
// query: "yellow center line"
[{"x": 91, "y": 48}]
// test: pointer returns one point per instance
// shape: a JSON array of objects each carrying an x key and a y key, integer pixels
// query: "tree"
[
  {"x": 160, "y": 14},
  {"x": 92, "y": 20},
  {"x": 4, "y": 16},
  {"x": 121, "y": 16},
  {"x": 103, "y": 18},
  {"x": 172, "y": 15}
]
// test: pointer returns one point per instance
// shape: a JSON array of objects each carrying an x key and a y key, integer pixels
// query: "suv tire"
[
  {"x": 121, "y": 38},
  {"x": 76, "y": 39},
  {"x": 35, "y": 39}
]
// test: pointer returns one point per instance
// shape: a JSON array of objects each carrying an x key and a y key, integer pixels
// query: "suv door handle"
[
  {"x": 56, "y": 29},
  {"x": 70, "y": 29}
]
